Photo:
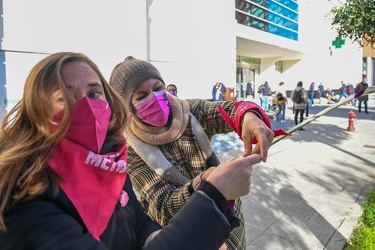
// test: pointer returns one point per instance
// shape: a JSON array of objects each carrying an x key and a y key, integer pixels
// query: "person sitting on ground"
[
  {"x": 330, "y": 95},
  {"x": 169, "y": 140},
  {"x": 63, "y": 172}
]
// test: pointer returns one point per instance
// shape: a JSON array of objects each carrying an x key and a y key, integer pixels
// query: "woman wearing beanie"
[
  {"x": 63, "y": 172},
  {"x": 169, "y": 151}
]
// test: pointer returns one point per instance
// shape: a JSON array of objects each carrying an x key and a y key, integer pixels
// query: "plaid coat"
[{"x": 161, "y": 198}]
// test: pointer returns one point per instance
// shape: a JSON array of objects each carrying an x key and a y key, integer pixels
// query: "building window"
[
  {"x": 245, "y": 62},
  {"x": 279, "y": 66},
  {"x": 364, "y": 66},
  {"x": 279, "y": 17},
  {"x": 248, "y": 60}
]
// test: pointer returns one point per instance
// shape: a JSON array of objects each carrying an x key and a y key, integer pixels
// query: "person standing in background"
[
  {"x": 363, "y": 98},
  {"x": 312, "y": 93},
  {"x": 300, "y": 101},
  {"x": 320, "y": 91},
  {"x": 172, "y": 89},
  {"x": 342, "y": 91},
  {"x": 249, "y": 88},
  {"x": 218, "y": 92},
  {"x": 350, "y": 91},
  {"x": 260, "y": 94},
  {"x": 266, "y": 92}
]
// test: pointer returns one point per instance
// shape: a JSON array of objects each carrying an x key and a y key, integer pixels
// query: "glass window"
[
  {"x": 279, "y": 17},
  {"x": 285, "y": 12},
  {"x": 277, "y": 30},
  {"x": 251, "y": 21},
  {"x": 288, "y": 3},
  {"x": 279, "y": 66}
]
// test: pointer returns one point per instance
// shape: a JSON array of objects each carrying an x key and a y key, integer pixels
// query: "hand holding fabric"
[{"x": 255, "y": 128}]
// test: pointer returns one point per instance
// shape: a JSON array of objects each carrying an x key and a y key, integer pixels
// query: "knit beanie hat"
[{"x": 129, "y": 74}]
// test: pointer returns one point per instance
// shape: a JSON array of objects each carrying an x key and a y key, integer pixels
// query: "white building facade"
[{"x": 194, "y": 44}]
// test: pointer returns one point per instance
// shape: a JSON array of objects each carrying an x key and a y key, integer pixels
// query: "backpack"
[
  {"x": 280, "y": 96},
  {"x": 260, "y": 89},
  {"x": 298, "y": 97},
  {"x": 349, "y": 89}
]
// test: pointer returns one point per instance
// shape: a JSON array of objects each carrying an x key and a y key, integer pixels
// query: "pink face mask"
[
  {"x": 89, "y": 124},
  {"x": 154, "y": 109}
]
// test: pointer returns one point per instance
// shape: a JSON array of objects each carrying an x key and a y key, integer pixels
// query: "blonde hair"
[{"x": 26, "y": 141}]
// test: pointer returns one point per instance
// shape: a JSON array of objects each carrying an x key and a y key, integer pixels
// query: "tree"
[{"x": 355, "y": 19}]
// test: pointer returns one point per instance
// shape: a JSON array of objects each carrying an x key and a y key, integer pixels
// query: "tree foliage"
[{"x": 355, "y": 19}]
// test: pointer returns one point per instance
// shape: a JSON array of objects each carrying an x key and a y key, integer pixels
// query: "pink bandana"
[{"x": 92, "y": 182}]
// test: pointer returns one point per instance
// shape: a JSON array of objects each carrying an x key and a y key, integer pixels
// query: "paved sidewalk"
[{"x": 308, "y": 194}]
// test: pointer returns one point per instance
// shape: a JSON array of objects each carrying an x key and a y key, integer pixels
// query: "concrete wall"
[
  {"x": 192, "y": 43},
  {"x": 105, "y": 31}
]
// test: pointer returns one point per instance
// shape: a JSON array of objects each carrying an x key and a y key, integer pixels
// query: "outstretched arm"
[{"x": 202, "y": 223}]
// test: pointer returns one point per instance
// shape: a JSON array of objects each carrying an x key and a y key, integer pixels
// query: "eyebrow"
[
  {"x": 95, "y": 84},
  {"x": 91, "y": 84}
]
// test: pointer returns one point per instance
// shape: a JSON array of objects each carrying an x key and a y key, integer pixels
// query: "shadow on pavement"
[
  {"x": 302, "y": 195},
  {"x": 285, "y": 220}
]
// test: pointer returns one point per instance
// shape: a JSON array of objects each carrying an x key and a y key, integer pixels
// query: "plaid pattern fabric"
[
  {"x": 237, "y": 239},
  {"x": 161, "y": 198}
]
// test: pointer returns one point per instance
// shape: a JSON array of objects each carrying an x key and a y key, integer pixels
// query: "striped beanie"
[{"x": 129, "y": 74}]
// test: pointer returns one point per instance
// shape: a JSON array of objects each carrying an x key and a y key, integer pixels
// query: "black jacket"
[
  {"x": 361, "y": 86},
  {"x": 52, "y": 222}
]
